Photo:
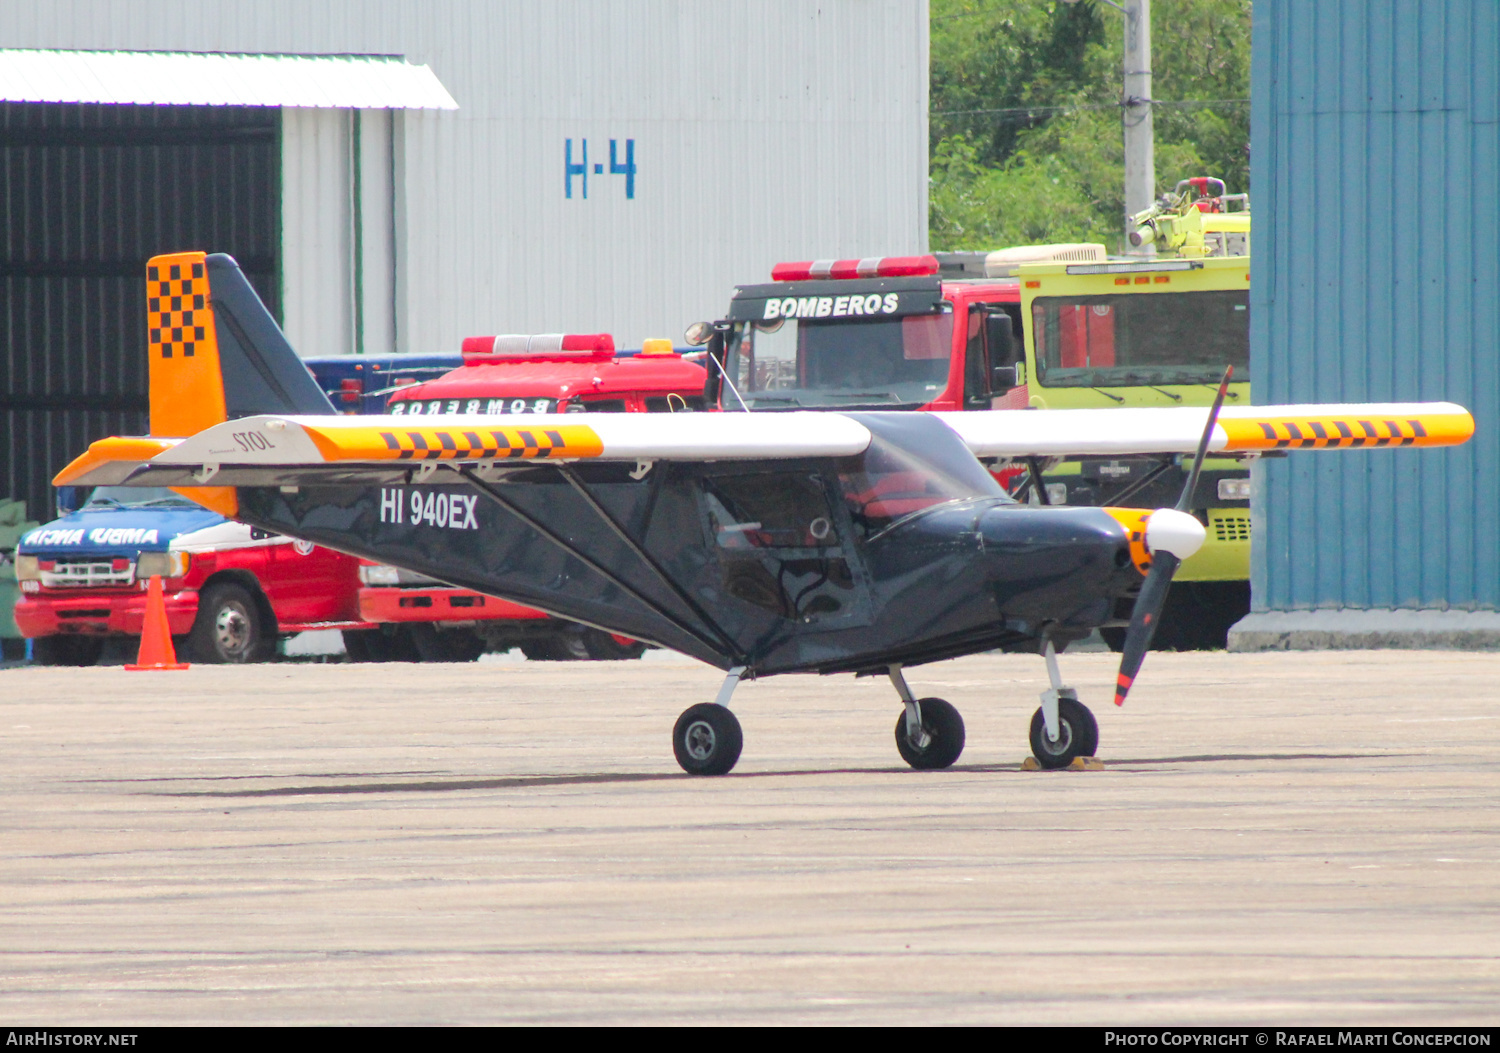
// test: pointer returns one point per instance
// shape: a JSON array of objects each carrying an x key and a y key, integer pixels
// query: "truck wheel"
[
  {"x": 561, "y": 647},
  {"x": 67, "y": 650},
  {"x": 451, "y": 645},
  {"x": 227, "y": 630},
  {"x": 389, "y": 644},
  {"x": 607, "y": 647}
]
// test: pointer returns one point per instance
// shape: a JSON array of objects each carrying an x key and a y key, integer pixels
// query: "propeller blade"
[
  {"x": 1143, "y": 620},
  {"x": 1178, "y": 536},
  {"x": 1185, "y": 501}
]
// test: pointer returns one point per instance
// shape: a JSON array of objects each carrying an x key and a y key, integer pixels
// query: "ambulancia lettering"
[
  {"x": 122, "y": 536},
  {"x": 54, "y": 537}
]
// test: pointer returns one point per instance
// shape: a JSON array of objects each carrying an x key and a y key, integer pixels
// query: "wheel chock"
[{"x": 1078, "y": 764}]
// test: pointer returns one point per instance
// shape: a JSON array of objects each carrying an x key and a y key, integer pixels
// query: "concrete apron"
[{"x": 1352, "y": 630}]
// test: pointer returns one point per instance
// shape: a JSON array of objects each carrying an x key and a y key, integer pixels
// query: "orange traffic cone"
[{"x": 156, "y": 635}]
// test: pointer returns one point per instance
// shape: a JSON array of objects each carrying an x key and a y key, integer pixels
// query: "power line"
[{"x": 1040, "y": 111}]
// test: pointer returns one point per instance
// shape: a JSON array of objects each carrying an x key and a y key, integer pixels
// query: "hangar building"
[
  {"x": 1376, "y": 277},
  {"x": 398, "y": 174}
]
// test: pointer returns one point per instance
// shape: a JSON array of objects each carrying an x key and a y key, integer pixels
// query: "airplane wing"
[
  {"x": 269, "y": 449},
  {"x": 1239, "y": 429}
]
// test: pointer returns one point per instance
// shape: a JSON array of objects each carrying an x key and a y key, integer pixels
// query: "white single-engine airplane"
[{"x": 759, "y": 543}]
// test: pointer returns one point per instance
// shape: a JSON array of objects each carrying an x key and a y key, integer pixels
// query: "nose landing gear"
[{"x": 1063, "y": 728}]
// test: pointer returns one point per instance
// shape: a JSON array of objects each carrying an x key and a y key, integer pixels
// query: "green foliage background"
[{"x": 1051, "y": 168}]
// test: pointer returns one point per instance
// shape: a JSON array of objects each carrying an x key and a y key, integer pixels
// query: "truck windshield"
[
  {"x": 886, "y": 363},
  {"x": 1142, "y": 339},
  {"x": 135, "y": 497}
]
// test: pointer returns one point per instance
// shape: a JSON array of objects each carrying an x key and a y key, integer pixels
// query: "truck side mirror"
[
  {"x": 1001, "y": 339},
  {"x": 1002, "y": 379},
  {"x": 70, "y": 499}
]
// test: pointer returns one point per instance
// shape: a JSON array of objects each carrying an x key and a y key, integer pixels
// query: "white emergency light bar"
[
  {"x": 870, "y": 267},
  {"x": 1134, "y": 268},
  {"x": 514, "y": 347},
  {"x": 1004, "y": 263}
]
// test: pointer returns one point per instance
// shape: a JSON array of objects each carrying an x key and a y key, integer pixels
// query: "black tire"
[
  {"x": 707, "y": 739},
  {"x": 559, "y": 647},
  {"x": 228, "y": 629},
  {"x": 67, "y": 650},
  {"x": 944, "y": 725},
  {"x": 1079, "y": 735},
  {"x": 1197, "y": 616},
  {"x": 357, "y": 644},
  {"x": 389, "y": 643},
  {"x": 446, "y": 645},
  {"x": 604, "y": 647}
]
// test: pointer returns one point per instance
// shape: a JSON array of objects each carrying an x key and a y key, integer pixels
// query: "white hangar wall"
[{"x": 762, "y": 130}]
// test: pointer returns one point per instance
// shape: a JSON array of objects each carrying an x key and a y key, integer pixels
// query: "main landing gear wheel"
[
  {"x": 1078, "y": 735},
  {"x": 707, "y": 739},
  {"x": 945, "y": 732}
]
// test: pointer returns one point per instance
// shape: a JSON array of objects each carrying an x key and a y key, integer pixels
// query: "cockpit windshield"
[
  {"x": 914, "y": 463},
  {"x": 882, "y": 362}
]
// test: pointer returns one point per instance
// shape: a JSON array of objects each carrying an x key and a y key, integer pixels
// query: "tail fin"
[{"x": 215, "y": 351}]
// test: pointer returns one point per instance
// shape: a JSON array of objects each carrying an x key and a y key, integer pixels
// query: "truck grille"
[
  {"x": 1231, "y": 525},
  {"x": 87, "y": 574}
]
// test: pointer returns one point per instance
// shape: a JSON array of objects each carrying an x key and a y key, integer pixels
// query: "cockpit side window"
[{"x": 781, "y": 510}]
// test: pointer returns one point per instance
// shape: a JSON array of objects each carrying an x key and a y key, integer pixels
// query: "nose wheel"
[
  {"x": 1063, "y": 728},
  {"x": 1077, "y": 735}
]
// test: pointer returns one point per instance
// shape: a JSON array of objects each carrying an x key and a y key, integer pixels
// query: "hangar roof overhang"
[{"x": 190, "y": 78}]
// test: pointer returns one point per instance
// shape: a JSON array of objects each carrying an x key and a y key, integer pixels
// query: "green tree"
[{"x": 1025, "y": 129}]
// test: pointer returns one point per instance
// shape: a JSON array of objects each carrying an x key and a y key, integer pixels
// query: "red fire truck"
[
  {"x": 419, "y": 618},
  {"x": 1030, "y": 328}
]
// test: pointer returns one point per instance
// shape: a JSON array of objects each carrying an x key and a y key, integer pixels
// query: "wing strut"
[
  {"x": 613, "y": 578},
  {"x": 1119, "y": 499},
  {"x": 656, "y": 568}
]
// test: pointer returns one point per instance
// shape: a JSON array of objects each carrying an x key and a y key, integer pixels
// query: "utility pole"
[
  {"x": 1135, "y": 111},
  {"x": 1140, "y": 150}
]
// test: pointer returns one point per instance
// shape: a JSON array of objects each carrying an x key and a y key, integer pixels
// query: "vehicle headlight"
[
  {"x": 27, "y": 569},
  {"x": 1234, "y": 489},
  {"x": 380, "y": 574},
  {"x": 162, "y": 564}
]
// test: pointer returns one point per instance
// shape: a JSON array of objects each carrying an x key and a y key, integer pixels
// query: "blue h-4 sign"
[{"x": 580, "y": 167}]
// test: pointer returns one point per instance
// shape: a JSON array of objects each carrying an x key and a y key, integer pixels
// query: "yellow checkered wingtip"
[
  {"x": 539, "y": 442},
  {"x": 1352, "y": 430}
]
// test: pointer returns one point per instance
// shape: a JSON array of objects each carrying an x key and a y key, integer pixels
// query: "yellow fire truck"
[{"x": 1155, "y": 332}]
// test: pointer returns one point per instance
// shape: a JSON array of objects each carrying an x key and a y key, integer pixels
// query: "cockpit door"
[{"x": 785, "y": 548}]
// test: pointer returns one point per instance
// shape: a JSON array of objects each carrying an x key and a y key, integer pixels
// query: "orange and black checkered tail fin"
[
  {"x": 187, "y": 386},
  {"x": 215, "y": 351}
]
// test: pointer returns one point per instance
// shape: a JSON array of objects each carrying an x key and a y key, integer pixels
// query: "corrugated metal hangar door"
[{"x": 87, "y": 194}]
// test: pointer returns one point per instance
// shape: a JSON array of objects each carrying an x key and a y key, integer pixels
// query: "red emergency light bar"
[
  {"x": 539, "y": 348},
  {"x": 870, "y": 267}
]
